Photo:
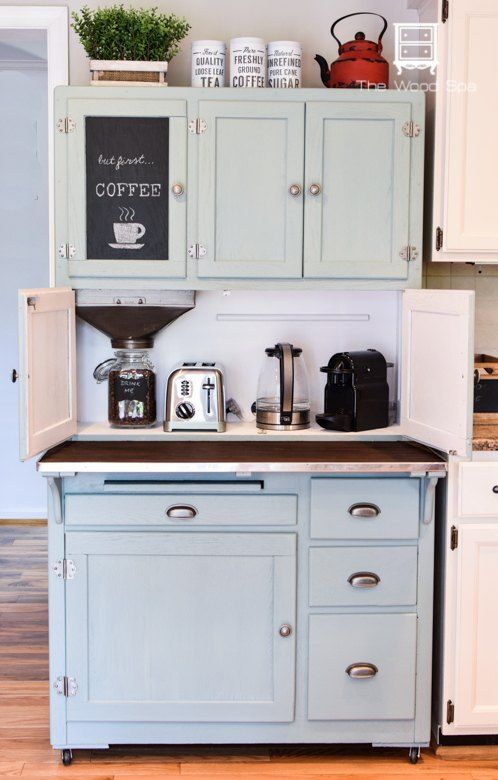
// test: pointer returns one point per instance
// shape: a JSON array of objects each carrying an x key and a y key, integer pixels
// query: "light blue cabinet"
[
  {"x": 357, "y": 207},
  {"x": 181, "y": 627},
  {"x": 293, "y": 189},
  {"x": 251, "y": 159},
  {"x": 240, "y": 626}
]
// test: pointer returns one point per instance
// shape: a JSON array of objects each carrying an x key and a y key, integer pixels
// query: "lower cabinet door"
[
  {"x": 362, "y": 667},
  {"x": 181, "y": 627}
]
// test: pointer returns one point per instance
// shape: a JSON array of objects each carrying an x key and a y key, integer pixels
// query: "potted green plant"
[{"x": 129, "y": 45}]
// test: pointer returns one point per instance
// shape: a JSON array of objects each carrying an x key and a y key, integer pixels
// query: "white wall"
[
  {"x": 321, "y": 323},
  {"x": 307, "y": 21},
  {"x": 23, "y": 251}
]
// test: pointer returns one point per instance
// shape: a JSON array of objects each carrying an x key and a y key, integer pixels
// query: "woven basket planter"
[{"x": 106, "y": 73}]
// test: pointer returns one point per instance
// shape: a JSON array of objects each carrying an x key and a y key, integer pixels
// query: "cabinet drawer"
[
  {"x": 382, "y": 647},
  {"x": 364, "y": 508},
  {"x": 180, "y": 509},
  {"x": 363, "y": 576},
  {"x": 476, "y": 494}
]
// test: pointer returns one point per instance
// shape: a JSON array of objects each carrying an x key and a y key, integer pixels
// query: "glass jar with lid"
[{"x": 132, "y": 388}]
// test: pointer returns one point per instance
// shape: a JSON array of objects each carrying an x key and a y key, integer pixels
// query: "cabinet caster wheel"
[
  {"x": 413, "y": 755},
  {"x": 66, "y": 756}
]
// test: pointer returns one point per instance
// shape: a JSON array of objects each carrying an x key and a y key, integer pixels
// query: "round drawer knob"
[
  {"x": 285, "y": 630},
  {"x": 495, "y": 488},
  {"x": 295, "y": 190},
  {"x": 177, "y": 189},
  {"x": 315, "y": 189},
  {"x": 361, "y": 671}
]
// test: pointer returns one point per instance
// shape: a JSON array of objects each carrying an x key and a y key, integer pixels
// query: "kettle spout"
[{"x": 324, "y": 68}]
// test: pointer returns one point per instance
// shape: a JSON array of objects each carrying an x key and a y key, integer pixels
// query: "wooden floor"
[{"x": 24, "y": 744}]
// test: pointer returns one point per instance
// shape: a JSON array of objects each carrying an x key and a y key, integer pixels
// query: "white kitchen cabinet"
[
  {"x": 462, "y": 179},
  {"x": 466, "y": 693}
]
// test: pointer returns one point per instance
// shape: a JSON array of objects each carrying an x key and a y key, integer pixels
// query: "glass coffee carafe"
[
  {"x": 283, "y": 400},
  {"x": 132, "y": 388}
]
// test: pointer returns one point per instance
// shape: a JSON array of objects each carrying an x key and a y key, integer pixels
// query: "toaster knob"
[{"x": 185, "y": 411}]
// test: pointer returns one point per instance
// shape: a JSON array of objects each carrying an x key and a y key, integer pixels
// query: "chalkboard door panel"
[
  {"x": 181, "y": 627},
  {"x": 358, "y": 223},
  {"x": 249, "y": 156},
  {"x": 123, "y": 158}
]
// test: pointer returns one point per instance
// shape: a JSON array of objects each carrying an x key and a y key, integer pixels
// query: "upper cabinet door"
[
  {"x": 437, "y": 368},
  {"x": 251, "y": 161},
  {"x": 357, "y": 191},
  {"x": 47, "y": 369},
  {"x": 467, "y": 138},
  {"x": 121, "y": 188}
]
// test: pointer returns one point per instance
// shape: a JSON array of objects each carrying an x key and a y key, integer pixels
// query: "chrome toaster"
[{"x": 195, "y": 398}]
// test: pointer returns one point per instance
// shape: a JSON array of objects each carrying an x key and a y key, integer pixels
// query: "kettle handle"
[
  {"x": 286, "y": 383},
  {"x": 359, "y": 13}
]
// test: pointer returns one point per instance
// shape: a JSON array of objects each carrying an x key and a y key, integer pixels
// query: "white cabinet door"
[
  {"x": 47, "y": 369},
  {"x": 466, "y": 174},
  {"x": 437, "y": 368},
  {"x": 476, "y": 645}
]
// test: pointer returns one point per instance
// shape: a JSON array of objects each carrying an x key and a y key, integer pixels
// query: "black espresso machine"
[{"x": 356, "y": 393}]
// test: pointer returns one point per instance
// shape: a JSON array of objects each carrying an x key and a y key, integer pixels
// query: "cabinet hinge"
[
  {"x": 67, "y": 686},
  {"x": 197, "y": 126},
  {"x": 66, "y": 251},
  {"x": 31, "y": 300},
  {"x": 453, "y": 537},
  {"x": 411, "y": 129},
  {"x": 408, "y": 253},
  {"x": 439, "y": 239},
  {"x": 450, "y": 711},
  {"x": 65, "y": 569},
  {"x": 66, "y": 125},
  {"x": 196, "y": 251},
  {"x": 445, "y": 10}
]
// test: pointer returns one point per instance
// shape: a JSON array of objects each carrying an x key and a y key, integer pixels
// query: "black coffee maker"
[{"x": 356, "y": 393}]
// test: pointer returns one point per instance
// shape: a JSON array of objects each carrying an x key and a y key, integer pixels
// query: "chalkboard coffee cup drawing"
[
  {"x": 128, "y": 233},
  {"x": 284, "y": 64},
  {"x": 127, "y": 192},
  {"x": 208, "y": 63},
  {"x": 247, "y": 62}
]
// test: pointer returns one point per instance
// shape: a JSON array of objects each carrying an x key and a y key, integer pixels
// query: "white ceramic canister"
[
  {"x": 247, "y": 62},
  {"x": 208, "y": 63},
  {"x": 284, "y": 64}
]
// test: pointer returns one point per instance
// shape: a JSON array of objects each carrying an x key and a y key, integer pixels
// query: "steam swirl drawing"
[{"x": 126, "y": 231}]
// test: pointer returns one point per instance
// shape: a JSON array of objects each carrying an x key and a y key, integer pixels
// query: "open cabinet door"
[
  {"x": 437, "y": 368},
  {"x": 47, "y": 369}
]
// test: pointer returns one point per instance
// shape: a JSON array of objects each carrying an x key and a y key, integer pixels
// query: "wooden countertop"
[{"x": 190, "y": 456}]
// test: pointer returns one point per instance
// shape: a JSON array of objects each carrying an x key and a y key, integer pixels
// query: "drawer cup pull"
[
  {"x": 364, "y": 510},
  {"x": 181, "y": 512},
  {"x": 364, "y": 579},
  {"x": 361, "y": 671}
]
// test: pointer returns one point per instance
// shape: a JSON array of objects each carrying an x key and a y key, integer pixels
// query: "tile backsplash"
[{"x": 481, "y": 278}]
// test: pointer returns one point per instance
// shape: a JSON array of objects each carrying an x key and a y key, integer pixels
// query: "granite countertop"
[{"x": 485, "y": 435}]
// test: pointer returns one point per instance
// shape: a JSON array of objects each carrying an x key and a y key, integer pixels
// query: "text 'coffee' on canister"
[
  {"x": 284, "y": 64},
  {"x": 247, "y": 62},
  {"x": 208, "y": 63}
]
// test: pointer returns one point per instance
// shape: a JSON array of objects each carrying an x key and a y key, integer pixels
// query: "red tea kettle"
[{"x": 360, "y": 63}]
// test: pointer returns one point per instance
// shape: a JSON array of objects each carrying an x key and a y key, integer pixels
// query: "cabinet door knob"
[
  {"x": 364, "y": 510},
  {"x": 364, "y": 579},
  {"x": 495, "y": 487},
  {"x": 177, "y": 189},
  {"x": 181, "y": 512},
  {"x": 315, "y": 189},
  {"x": 14, "y": 375},
  {"x": 285, "y": 630},
  {"x": 361, "y": 671},
  {"x": 295, "y": 190}
]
